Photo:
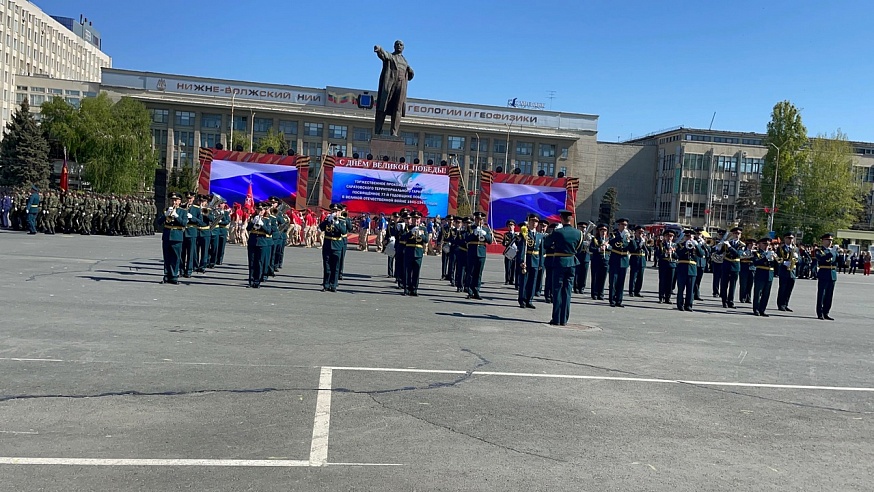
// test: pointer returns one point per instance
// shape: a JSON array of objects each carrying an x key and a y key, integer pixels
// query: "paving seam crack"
[{"x": 5, "y": 398}]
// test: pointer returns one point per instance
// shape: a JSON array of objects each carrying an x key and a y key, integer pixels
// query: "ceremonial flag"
[
  {"x": 249, "y": 204},
  {"x": 65, "y": 173}
]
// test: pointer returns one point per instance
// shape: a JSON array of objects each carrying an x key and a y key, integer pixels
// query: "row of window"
[
  {"x": 728, "y": 140},
  {"x": 701, "y": 162}
]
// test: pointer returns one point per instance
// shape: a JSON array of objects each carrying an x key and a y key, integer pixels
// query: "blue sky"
[{"x": 642, "y": 66}]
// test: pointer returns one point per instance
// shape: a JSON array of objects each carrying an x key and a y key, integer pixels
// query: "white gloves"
[
  {"x": 786, "y": 263},
  {"x": 174, "y": 215},
  {"x": 190, "y": 216}
]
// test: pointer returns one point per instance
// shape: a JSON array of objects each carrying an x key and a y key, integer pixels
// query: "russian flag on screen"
[
  {"x": 231, "y": 180},
  {"x": 516, "y": 201}
]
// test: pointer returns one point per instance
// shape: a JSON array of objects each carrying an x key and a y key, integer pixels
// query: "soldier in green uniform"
[
  {"x": 599, "y": 252},
  {"x": 189, "y": 245},
  {"x": 53, "y": 204},
  {"x": 509, "y": 264},
  {"x": 223, "y": 224},
  {"x": 400, "y": 248},
  {"x": 32, "y": 209},
  {"x": 281, "y": 237},
  {"x": 391, "y": 238},
  {"x": 212, "y": 245},
  {"x": 42, "y": 218},
  {"x": 261, "y": 230},
  {"x": 564, "y": 242},
  {"x": 478, "y": 239},
  {"x": 637, "y": 251},
  {"x": 345, "y": 214},
  {"x": 204, "y": 236},
  {"x": 764, "y": 261},
  {"x": 747, "y": 271},
  {"x": 414, "y": 240},
  {"x": 730, "y": 267},
  {"x": 826, "y": 276},
  {"x": 548, "y": 264},
  {"x": 687, "y": 269},
  {"x": 618, "y": 263},
  {"x": 529, "y": 260},
  {"x": 173, "y": 221},
  {"x": 666, "y": 254},
  {"x": 460, "y": 248},
  {"x": 334, "y": 227}
]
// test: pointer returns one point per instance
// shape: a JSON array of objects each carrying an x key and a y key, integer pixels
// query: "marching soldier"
[
  {"x": 716, "y": 260},
  {"x": 826, "y": 276},
  {"x": 667, "y": 258},
  {"x": 509, "y": 264},
  {"x": 478, "y": 238},
  {"x": 702, "y": 261},
  {"x": 334, "y": 227},
  {"x": 582, "y": 270},
  {"x": 747, "y": 271},
  {"x": 548, "y": 257},
  {"x": 344, "y": 212},
  {"x": 787, "y": 254},
  {"x": 189, "y": 244},
  {"x": 618, "y": 263},
  {"x": 400, "y": 248},
  {"x": 415, "y": 240},
  {"x": 460, "y": 248},
  {"x": 223, "y": 226},
  {"x": 32, "y": 209},
  {"x": 764, "y": 261},
  {"x": 204, "y": 235},
  {"x": 637, "y": 251},
  {"x": 261, "y": 230},
  {"x": 687, "y": 269},
  {"x": 599, "y": 250},
  {"x": 529, "y": 258},
  {"x": 390, "y": 238},
  {"x": 730, "y": 267},
  {"x": 173, "y": 222},
  {"x": 564, "y": 241}
]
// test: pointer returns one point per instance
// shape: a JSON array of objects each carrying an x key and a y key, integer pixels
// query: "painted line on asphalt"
[
  {"x": 174, "y": 462},
  {"x": 611, "y": 378},
  {"x": 19, "y": 359},
  {"x": 322, "y": 420}
]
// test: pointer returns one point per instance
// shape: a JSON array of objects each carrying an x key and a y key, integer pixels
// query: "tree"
[
  {"x": 828, "y": 197},
  {"x": 609, "y": 207},
  {"x": 182, "y": 180},
  {"x": 749, "y": 207},
  {"x": 273, "y": 139},
  {"x": 787, "y": 133},
  {"x": 241, "y": 139},
  {"x": 24, "y": 151}
]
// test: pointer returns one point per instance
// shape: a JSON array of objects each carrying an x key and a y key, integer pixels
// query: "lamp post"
[
  {"x": 774, "y": 196},
  {"x": 231, "y": 143}
]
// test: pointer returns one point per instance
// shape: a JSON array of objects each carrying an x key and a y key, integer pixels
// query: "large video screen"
[
  {"x": 365, "y": 190},
  {"x": 515, "y": 201},
  {"x": 232, "y": 180}
]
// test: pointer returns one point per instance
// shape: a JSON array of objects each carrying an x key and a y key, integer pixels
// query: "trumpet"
[{"x": 690, "y": 244}]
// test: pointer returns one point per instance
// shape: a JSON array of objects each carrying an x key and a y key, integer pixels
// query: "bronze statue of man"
[{"x": 392, "y": 97}]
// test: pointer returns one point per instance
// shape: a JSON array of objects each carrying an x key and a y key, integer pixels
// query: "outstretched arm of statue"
[{"x": 380, "y": 52}]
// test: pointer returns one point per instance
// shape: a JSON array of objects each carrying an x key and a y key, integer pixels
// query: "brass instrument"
[{"x": 650, "y": 242}]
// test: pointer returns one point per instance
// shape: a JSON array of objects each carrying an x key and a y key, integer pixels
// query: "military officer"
[
  {"x": 599, "y": 251},
  {"x": 444, "y": 242},
  {"x": 702, "y": 261},
  {"x": 787, "y": 254},
  {"x": 826, "y": 276},
  {"x": 189, "y": 244},
  {"x": 618, "y": 262},
  {"x": 334, "y": 227},
  {"x": 460, "y": 248},
  {"x": 730, "y": 267},
  {"x": 173, "y": 221},
  {"x": 215, "y": 215},
  {"x": 32, "y": 209},
  {"x": 223, "y": 229},
  {"x": 637, "y": 251},
  {"x": 529, "y": 260},
  {"x": 261, "y": 230},
  {"x": 564, "y": 242},
  {"x": 344, "y": 212},
  {"x": 390, "y": 238},
  {"x": 747, "y": 270},
  {"x": 478, "y": 238},
  {"x": 414, "y": 240},
  {"x": 400, "y": 248},
  {"x": 764, "y": 261},
  {"x": 688, "y": 252},
  {"x": 666, "y": 253},
  {"x": 204, "y": 235},
  {"x": 509, "y": 264},
  {"x": 583, "y": 255}
]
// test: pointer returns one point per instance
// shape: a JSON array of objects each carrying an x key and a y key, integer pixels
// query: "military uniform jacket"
[
  {"x": 223, "y": 223},
  {"x": 194, "y": 222},
  {"x": 334, "y": 232},
  {"x": 33, "y": 203},
  {"x": 530, "y": 250},
  {"x": 398, "y": 231},
  {"x": 564, "y": 243},
  {"x": 477, "y": 243},
  {"x": 764, "y": 267},
  {"x": 204, "y": 230},
  {"x": 827, "y": 261},
  {"x": 459, "y": 243},
  {"x": 667, "y": 254},
  {"x": 618, "y": 251},
  {"x": 687, "y": 259},
  {"x": 732, "y": 254},
  {"x": 596, "y": 254},
  {"x": 746, "y": 259},
  {"x": 174, "y": 227},
  {"x": 414, "y": 241},
  {"x": 263, "y": 235},
  {"x": 785, "y": 254},
  {"x": 636, "y": 252}
]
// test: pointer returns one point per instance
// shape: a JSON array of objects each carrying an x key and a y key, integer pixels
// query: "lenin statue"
[{"x": 392, "y": 96}]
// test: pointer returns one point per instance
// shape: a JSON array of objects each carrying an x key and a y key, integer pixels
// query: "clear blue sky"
[{"x": 640, "y": 65}]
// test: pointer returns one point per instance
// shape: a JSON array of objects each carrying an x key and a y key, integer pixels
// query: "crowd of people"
[{"x": 76, "y": 212}]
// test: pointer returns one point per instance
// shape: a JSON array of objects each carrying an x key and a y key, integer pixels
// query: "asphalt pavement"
[{"x": 110, "y": 380}]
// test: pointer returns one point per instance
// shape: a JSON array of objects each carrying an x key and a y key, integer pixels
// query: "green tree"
[
  {"x": 273, "y": 139},
  {"x": 24, "y": 151},
  {"x": 241, "y": 139},
  {"x": 787, "y": 133},
  {"x": 749, "y": 208},
  {"x": 828, "y": 197},
  {"x": 182, "y": 180},
  {"x": 609, "y": 207}
]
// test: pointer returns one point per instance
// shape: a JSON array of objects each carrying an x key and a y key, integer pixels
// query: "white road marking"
[
  {"x": 18, "y": 359},
  {"x": 612, "y": 378},
  {"x": 174, "y": 462},
  {"x": 322, "y": 420},
  {"x": 19, "y": 432}
]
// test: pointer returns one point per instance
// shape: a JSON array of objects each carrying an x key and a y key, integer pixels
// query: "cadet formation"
[{"x": 541, "y": 259}]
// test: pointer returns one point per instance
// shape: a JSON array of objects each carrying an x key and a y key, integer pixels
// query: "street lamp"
[
  {"x": 231, "y": 143},
  {"x": 774, "y": 197}
]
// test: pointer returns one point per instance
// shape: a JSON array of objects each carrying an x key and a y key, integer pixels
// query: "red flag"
[
  {"x": 250, "y": 201},
  {"x": 65, "y": 174}
]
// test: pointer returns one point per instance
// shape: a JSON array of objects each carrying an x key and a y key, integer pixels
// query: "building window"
[
  {"x": 313, "y": 129},
  {"x": 524, "y": 148},
  {"x": 90, "y": 94},
  {"x": 547, "y": 150},
  {"x": 57, "y": 91},
  {"x": 433, "y": 141},
  {"x": 312, "y": 149},
  {"x": 73, "y": 101},
  {"x": 477, "y": 144},
  {"x": 72, "y": 93},
  {"x": 209, "y": 139},
  {"x": 213, "y": 121},
  {"x": 696, "y": 162},
  {"x": 498, "y": 161},
  {"x": 37, "y": 99},
  {"x": 726, "y": 163},
  {"x": 546, "y": 167},
  {"x": 241, "y": 123},
  {"x": 563, "y": 170},
  {"x": 287, "y": 127},
  {"x": 263, "y": 124},
  {"x": 434, "y": 157},
  {"x": 361, "y": 151},
  {"x": 159, "y": 142},
  {"x": 524, "y": 166},
  {"x": 38, "y": 89},
  {"x": 337, "y": 131},
  {"x": 410, "y": 138},
  {"x": 411, "y": 155},
  {"x": 361, "y": 134},
  {"x": 455, "y": 143},
  {"x": 564, "y": 153},
  {"x": 752, "y": 165},
  {"x": 19, "y": 96},
  {"x": 751, "y": 141},
  {"x": 158, "y": 115},
  {"x": 184, "y": 118}
]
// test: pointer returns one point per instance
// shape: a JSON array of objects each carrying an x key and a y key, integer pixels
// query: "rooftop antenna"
[
  {"x": 711, "y": 121},
  {"x": 550, "y": 96}
]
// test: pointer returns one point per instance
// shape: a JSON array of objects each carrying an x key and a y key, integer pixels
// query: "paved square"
[{"x": 113, "y": 381}]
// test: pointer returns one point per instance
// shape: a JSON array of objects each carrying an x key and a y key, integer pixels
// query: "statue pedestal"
[{"x": 386, "y": 145}]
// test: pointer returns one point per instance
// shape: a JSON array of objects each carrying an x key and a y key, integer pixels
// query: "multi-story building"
[
  {"x": 33, "y": 43},
  {"x": 701, "y": 175}
]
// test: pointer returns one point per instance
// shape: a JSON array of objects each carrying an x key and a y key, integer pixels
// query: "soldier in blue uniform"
[
  {"x": 334, "y": 227},
  {"x": 666, "y": 253},
  {"x": 637, "y": 251},
  {"x": 189, "y": 244},
  {"x": 599, "y": 251},
  {"x": 565, "y": 242},
  {"x": 618, "y": 263},
  {"x": 32, "y": 209},
  {"x": 529, "y": 259},
  {"x": 261, "y": 230},
  {"x": 788, "y": 256},
  {"x": 826, "y": 276},
  {"x": 747, "y": 271},
  {"x": 478, "y": 238},
  {"x": 764, "y": 261},
  {"x": 415, "y": 240},
  {"x": 173, "y": 221},
  {"x": 688, "y": 252},
  {"x": 730, "y": 267},
  {"x": 582, "y": 270},
  {"x": 460, "y": 245}
]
